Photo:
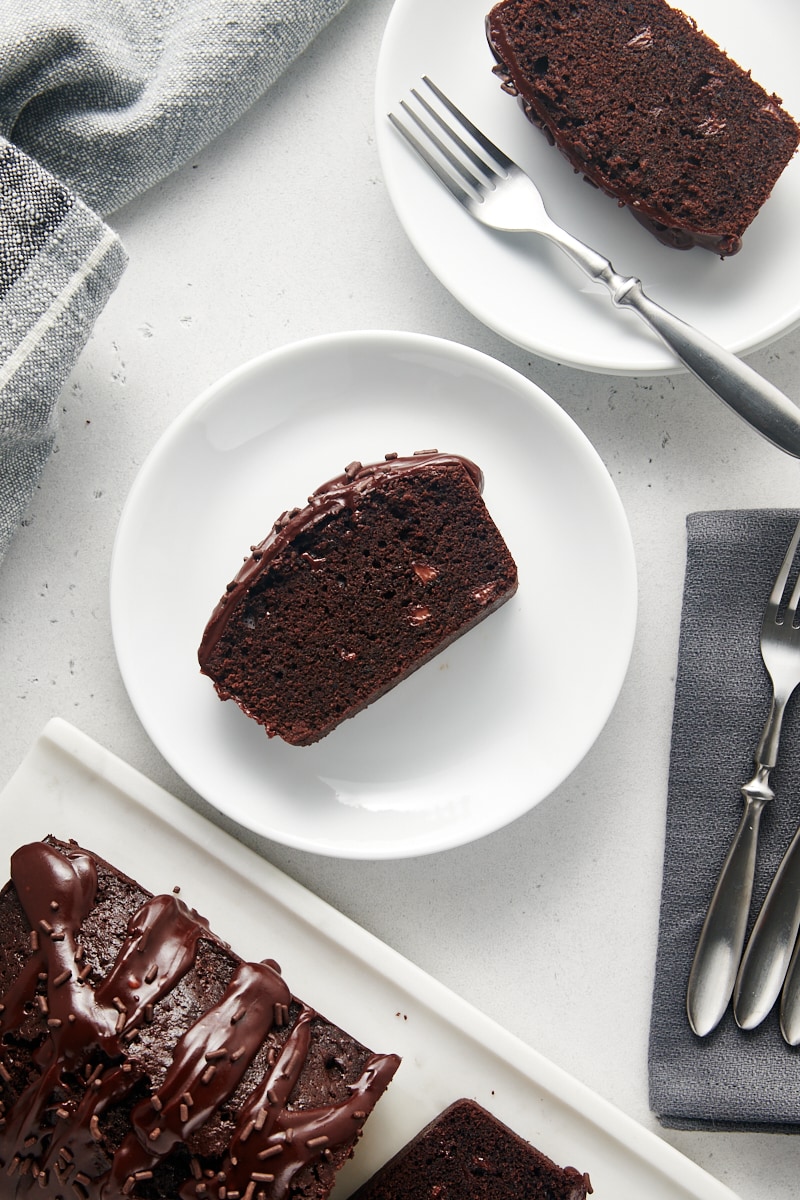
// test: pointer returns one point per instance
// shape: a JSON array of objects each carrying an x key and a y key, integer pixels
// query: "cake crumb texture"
[
  {"x": 650, "y": 110},
  {"x": 386, "y": 566},
  {"x": 466, "y": 1153}
]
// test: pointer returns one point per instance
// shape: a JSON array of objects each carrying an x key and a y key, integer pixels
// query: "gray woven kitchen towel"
[
  {"x": 100, "y": 99},
  {"x": 730, "y": 1079},
  {"x": 58, "y": 264},
  {"x": 112, "y": 95}
]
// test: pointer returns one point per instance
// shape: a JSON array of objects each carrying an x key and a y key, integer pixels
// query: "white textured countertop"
[{"x": 283, "y": 230}]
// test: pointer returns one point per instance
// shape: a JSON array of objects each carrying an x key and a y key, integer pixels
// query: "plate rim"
[
  {"x": 393, "y": 340},
  {"x": 658, "y": 364}
]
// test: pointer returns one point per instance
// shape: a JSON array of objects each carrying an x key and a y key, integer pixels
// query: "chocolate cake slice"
[
  {"x": 467, "y": 1154},
  {"x": 141, "y": 1058},
  {"x": 648, "y": 109},
  {"x": 385, "y": 567}
]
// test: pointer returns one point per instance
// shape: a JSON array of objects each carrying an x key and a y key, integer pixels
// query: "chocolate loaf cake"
[
  {"x": 648, "y": 109},
  {"x": 467, "y": 1154},
  {"x": 385, "y": 567},
  {"x": 141, "y": 1058}
]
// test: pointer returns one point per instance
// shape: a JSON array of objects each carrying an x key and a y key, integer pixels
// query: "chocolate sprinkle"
[{"x": 84, "y": 1064}]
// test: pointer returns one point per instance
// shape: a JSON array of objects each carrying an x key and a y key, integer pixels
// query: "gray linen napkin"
[
  {"x": 98, "y": 101},
  {"x": 730, "y": 1079}
]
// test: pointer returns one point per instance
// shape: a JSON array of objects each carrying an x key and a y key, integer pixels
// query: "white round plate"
[
  {"x": 527, "y": 290},
  {"x": 478, "y": 735}
]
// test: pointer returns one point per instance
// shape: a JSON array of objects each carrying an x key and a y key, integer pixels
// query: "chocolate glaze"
[
  {"x": 51, "y": 1132},
  {"x": 345, "y": 491}
]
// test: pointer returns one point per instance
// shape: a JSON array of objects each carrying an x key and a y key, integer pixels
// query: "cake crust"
[
  {"x": 384, "y": 567},
  {"x": 648, "y": 109},
  {"x": 141, "y": 1058}
]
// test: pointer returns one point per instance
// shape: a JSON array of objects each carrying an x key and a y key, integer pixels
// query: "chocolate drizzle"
[
  {"x": 52, "y": 1124},
  {"x": 272, "y": 1142},
  {"x": 345, "y": 491}
]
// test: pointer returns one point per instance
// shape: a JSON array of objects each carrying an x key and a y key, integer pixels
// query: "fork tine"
[
  {"x": 475, "y": 169},
  {"x": 443, "y": 148},
  {"x": 779, "y": 587},
  {"x": 448, "y": 179},
  {"x": 480, "y": 137},
  {"x": 451, "y": 133},
  {"x": 791, "y": 608}
]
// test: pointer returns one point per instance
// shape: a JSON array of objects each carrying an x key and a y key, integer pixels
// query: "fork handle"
[
  {"x": 790, "y": 1001},
  {"x": 719, "y": 948},
  {"x": 767, "y": 750},
  {"x": 754, "y": 398},
  {"x": 769, "y": 949}
]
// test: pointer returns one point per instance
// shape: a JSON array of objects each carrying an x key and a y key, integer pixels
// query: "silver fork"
[
  {"x": 719, "y": 949},
  {"x": 768, "y": 962},
  {"x": 499, "y": 194}
]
